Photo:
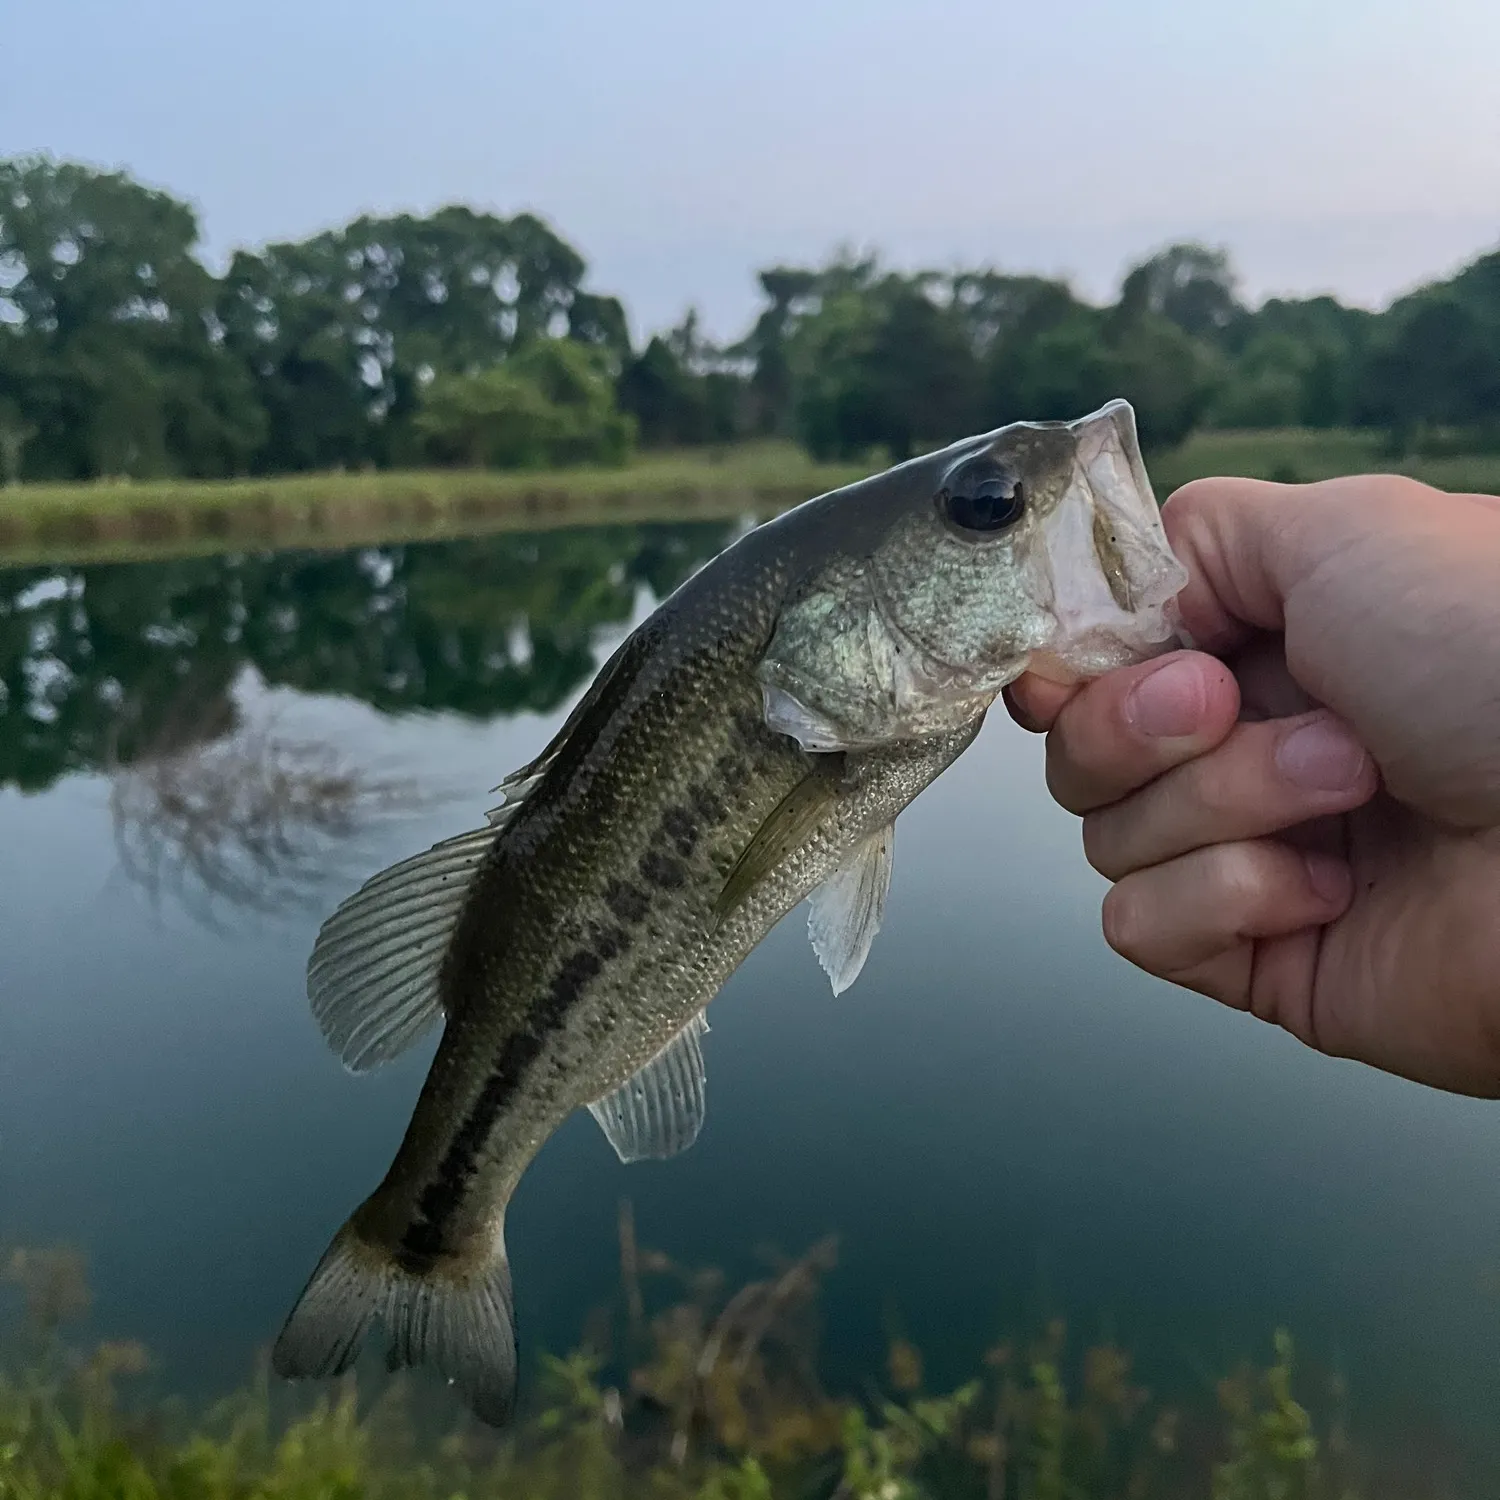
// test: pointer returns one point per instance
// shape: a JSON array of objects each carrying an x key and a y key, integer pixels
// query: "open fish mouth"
[{"x": 1105, "y": 572}]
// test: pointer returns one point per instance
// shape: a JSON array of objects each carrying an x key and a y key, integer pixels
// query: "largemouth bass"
[{"x": 750, "y": 745}]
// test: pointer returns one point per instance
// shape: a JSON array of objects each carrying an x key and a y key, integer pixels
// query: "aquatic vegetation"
[{"x": 686, "y": 1390}]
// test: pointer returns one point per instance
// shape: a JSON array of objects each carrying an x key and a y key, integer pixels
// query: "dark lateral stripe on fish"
[
  {"x": 708, "y": 807},
  {"x": 679, "y": 827},
  {"x": 424, "y": 1239},
  {"x": 661, "y": 869}
]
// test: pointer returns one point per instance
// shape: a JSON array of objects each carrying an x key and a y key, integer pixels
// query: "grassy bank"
[
  {"x": 124, "y": 520},
  {"x": 689, "y": 1390}
]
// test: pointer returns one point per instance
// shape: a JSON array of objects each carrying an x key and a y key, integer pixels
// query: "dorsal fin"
[
  {"x": 610, "y": 685},
  {"x": 373, "y": 974}
]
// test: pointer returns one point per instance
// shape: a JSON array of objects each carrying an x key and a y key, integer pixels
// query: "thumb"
[{"x": 1235, "y": 537}]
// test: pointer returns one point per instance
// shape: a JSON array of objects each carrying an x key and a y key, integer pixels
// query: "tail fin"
[{"x": 456, "y": 1320}]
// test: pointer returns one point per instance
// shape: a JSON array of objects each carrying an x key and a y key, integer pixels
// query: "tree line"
[{"x": 463, "y": 337}]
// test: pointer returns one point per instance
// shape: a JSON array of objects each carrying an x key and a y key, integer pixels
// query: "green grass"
[
  {"x": 703, "y": 1392},
  {"x": 1301, "y": 456},
  {"x": 172, "y": 517}
]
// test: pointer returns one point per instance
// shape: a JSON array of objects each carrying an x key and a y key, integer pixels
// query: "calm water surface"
[{"x": 1001, "y": 1121}]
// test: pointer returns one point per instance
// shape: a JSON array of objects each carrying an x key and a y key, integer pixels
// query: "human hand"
[{"x": 1305, "y": 824}]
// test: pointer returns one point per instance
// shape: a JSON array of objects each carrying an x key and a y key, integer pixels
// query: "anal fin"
[{"x": 658, "y": 1111}]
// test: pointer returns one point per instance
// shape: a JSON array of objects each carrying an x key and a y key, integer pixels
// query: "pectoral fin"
[
  {"x": 844, "y": 912},
  {"x": 790, "y": 825},
  {"x": 658, "y": 1111}
]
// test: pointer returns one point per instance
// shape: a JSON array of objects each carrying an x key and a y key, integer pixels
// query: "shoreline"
[{"x": 119, "y": 521}]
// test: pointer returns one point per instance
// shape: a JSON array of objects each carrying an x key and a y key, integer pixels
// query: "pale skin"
[{"x": 1301, "y": 817}]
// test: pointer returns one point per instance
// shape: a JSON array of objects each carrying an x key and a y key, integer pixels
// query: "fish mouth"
[{"x": 1109, "y": 574}]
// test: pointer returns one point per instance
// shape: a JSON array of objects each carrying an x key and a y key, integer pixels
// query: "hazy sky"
[{"x": 1348, "y": 145}]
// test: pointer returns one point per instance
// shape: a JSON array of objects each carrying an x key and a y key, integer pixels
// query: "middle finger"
[{"x": 1266, "y": 777}]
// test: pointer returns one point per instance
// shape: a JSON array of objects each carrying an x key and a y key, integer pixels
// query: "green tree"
[
  {"x": 1434, "y": 360},
  {"x": 887, "y": 363},
  {"x": 287, "y": 317},
  {"x": 112, "y": 361},
  {"x": 346, "y": 329},
  {"x": 878, "y": 358},
  {"x": 1167, "y": 375},
  {"x": 548, "y": 405},
  {"x": 1005, "y": 316},
  {"x": 668, "y": 401},
  {"x": 1190, "y": 285},
  {"x": 1294, "y": 362},
  {"x": 496, "y": 419},
  {"x": 15, "y": 433},
  {"x": 682, "y": 390},
  {"x": 793, "y": 294},
  {"x": 1092, "y": 356}
]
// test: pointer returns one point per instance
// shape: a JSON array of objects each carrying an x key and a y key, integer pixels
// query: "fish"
[{"x": 748, "y": 747}]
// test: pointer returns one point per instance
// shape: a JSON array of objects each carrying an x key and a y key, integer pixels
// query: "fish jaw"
[
  {"x": 1106, "y": 574},
  {"x": 917, "y": 630}
]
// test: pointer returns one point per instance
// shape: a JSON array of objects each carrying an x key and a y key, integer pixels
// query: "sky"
[{"x": 1350, "y": 146}]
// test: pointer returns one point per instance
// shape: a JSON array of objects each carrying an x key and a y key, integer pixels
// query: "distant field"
[
  {"x": 1298, "y": 456},
  {"x": 125, "y": 520}
]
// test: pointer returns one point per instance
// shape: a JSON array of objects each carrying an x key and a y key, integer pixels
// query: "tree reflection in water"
[
  {"x": 251, "y": 820},
  {"x": 138, "y": 671}
]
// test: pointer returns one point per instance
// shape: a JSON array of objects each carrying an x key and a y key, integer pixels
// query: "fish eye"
[{"x": 980, "y": 497}]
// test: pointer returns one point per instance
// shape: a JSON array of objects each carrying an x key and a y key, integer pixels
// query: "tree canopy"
[{"x": 465, "y": 337}]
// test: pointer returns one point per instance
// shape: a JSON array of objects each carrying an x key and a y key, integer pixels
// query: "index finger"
[
  {"x": 1125, "y": 729},
  {"x": 1035, "y": 702}
]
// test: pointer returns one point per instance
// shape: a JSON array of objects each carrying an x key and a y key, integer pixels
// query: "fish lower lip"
[{"x": 1050, "y": 668}]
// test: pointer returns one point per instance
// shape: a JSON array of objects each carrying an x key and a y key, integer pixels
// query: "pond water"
[{"x": 1000, "y": 1121}]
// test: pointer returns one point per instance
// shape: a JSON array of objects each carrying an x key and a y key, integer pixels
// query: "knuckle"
[
  {"x": 1066, "y": 779},
  {"x": 1020, "y": 710},
  {"x": 1088, "y": 762},
  {"x": 1185, "y": 500},
  {"x": 1124, "y": 921},
  {"x": 1237, "y": 874},
  {"x": 1188, "y": 516},
  {"x": 1401, "y": 489},
  {"x": 1220, "y": 781},
  {"x": 1101, "y": 843}
]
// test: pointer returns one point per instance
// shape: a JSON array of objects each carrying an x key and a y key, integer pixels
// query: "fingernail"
[
  {"x": 1321, "y": 756},
  {"x": 1330, "y": 878},
  {"x": 1169, "y": 703}
]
